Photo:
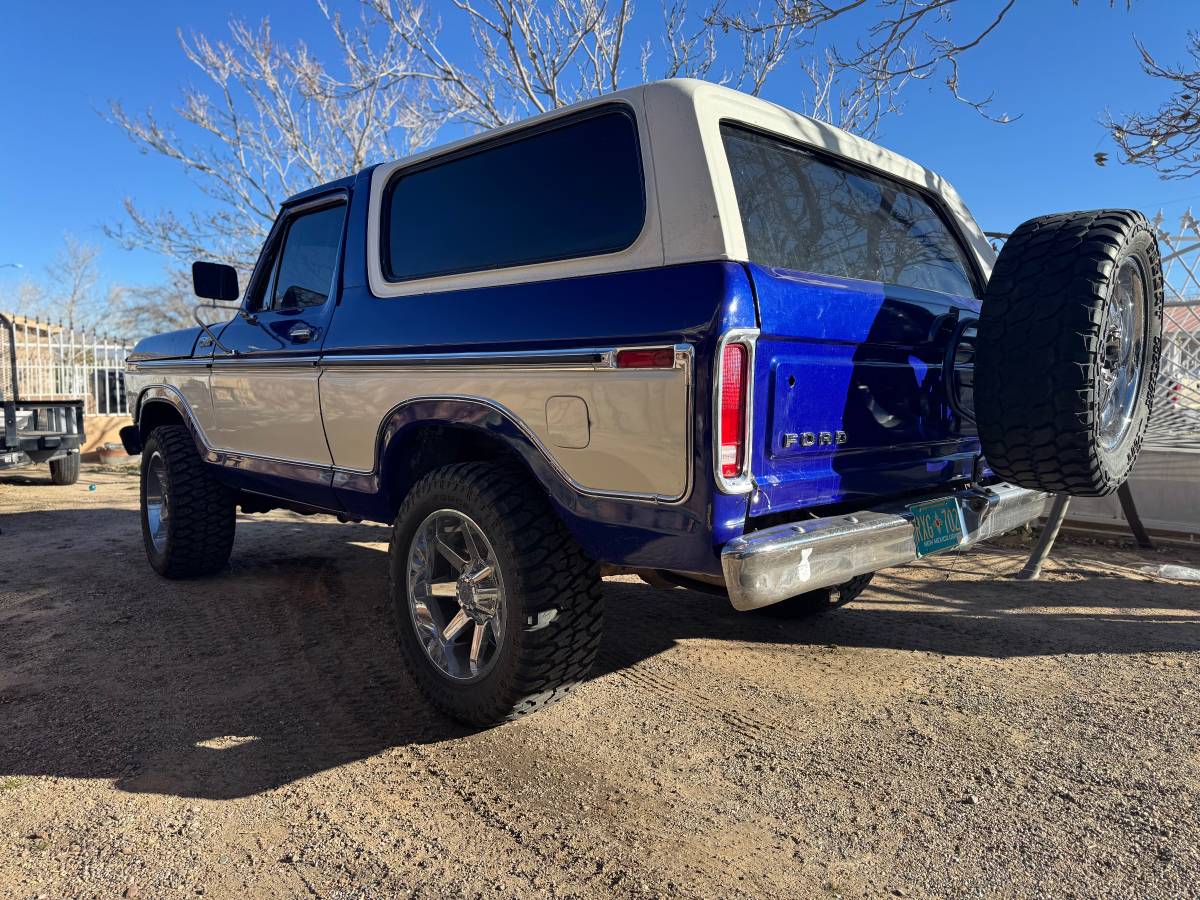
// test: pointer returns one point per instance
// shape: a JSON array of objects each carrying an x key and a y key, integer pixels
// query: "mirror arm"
[{"x": 207, "y": 330}]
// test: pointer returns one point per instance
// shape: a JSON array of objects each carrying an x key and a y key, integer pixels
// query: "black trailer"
[{"x": 36, "y": 431}]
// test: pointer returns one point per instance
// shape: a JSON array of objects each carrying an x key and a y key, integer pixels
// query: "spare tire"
[{"x": 1067, "y": 353}]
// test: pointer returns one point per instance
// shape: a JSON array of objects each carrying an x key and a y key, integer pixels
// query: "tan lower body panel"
[
  {"x": 610, "y": 431},
  {"x": 636, "y": 430},
  {"x": 269, "y": 411}
]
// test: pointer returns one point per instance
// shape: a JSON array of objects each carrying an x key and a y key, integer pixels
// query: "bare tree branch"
[
  {"x": 1168, "y": 139},
  {"x": 133, "y": 310},
  {"x": 71, "y": 283},
  {"x": 272, "y": 121},
  {"x": 906, "y": 40}
]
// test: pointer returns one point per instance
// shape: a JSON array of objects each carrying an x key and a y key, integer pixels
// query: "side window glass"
[
  {"x": 304, "y": 274},
  {"x": 573, "y": 190}
]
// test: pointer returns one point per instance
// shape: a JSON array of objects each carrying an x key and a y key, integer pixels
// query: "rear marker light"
[
  {"x": 654, "y": 358},
  {"x": 732, "y": 423}
]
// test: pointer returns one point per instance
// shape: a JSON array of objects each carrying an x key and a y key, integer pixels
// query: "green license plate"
[{"x": 937, "y": 526}]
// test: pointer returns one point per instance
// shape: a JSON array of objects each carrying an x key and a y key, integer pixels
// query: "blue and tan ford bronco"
[{"x": 675, "y": 331}]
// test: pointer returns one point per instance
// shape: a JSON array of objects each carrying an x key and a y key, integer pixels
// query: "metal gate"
[
  {"x": 53, "y": 362},
  {"x": 1175, "y": 422}
]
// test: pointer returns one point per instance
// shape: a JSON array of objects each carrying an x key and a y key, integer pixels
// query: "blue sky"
[{"x": 63, "y": 168}]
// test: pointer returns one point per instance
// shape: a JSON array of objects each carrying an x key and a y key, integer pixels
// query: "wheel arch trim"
[{"x": 166, "y": 395}]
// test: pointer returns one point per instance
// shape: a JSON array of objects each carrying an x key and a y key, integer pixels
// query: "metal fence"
[
  {"x": 1176, "y": 418},
  {"x": 57, "y": 363}
]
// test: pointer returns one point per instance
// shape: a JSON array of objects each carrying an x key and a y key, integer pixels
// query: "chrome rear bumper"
[{"x": 780, "y": 562}]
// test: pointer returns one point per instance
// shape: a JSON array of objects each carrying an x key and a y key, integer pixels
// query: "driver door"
[{"x": 265, "y": 401}]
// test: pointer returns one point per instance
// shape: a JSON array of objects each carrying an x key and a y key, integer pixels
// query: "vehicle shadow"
[
  {"x": 285, "y": 665},
  {"x": 36, "y": 474}
]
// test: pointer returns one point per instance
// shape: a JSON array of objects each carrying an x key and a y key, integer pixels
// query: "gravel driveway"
[{"x": 952, "y": 733}]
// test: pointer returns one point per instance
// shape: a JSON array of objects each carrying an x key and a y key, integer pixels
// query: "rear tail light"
[
  {"x": 731, "y": 411},
  {"x": 649, "y": 358}
]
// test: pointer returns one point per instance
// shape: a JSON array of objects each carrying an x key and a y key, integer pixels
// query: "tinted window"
[
  {"x": 310, "y": 248},
  {"x": 573, "y": 190},
  {"x": 802, "y": 212}
]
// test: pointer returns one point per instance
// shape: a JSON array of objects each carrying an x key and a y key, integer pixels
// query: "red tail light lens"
[
  {"x": 732, "y": 422},
  {"x": 653, "y": 358}
]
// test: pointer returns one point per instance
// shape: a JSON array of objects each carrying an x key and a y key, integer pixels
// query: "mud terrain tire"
[
  {"x": 551, "y": 599},
  {"x": 195, "y": 535},
  {"x": 1071, "y": 319}
]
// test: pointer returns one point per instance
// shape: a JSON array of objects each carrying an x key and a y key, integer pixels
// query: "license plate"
[{"x": 937, "y": 525}]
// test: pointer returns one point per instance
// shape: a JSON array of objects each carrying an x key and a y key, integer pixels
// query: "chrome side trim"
[
  {"x": 134, "y": 365},
  {"x": 771, "y": 565},
  {"x": 744, "y": 483},
  {"x": 590, "y": 358},
  {"x": 233, "y": 363},
  {"x": 226, "y": 363}
]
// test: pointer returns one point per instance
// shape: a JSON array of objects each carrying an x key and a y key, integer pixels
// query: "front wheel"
[
  {"x": 497, "y": 609},
  {"x": 188, "y": 517}
]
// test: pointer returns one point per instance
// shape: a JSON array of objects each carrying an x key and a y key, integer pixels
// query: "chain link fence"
[{"x": 1175, "y": 422}]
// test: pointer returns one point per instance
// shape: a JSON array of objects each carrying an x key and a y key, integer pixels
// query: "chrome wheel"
[
  {"x": 157, "y": 510},
  {"x": 456, "y": 595},
  {"x": 1122, "y": 354}
]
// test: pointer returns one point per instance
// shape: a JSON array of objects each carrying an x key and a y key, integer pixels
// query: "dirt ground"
[{"x": 953, "y": 733}]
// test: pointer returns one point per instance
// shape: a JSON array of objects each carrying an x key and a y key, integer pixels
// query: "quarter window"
[
  {"x": 800, "y": 211},
  {"x": 572, "y": 189}
]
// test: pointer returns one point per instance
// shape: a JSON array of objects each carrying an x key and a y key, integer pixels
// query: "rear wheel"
[
  {"x": 1067, "y": 356},
  {"x": 497, "y": 609},
  {"x": 188, "y": 517},
  {"x": 65, "y": 469},
  {"x": 816, "y": 602}
]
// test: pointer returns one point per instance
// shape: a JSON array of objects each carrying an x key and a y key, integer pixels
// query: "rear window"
[
  {"x": 571, "y": 189},
  {"x": 801, "y": 211}
]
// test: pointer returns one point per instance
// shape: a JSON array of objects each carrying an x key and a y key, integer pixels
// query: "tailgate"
[{"x": 849, "y": 395}]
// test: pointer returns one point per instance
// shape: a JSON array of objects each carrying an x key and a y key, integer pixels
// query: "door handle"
[{"x": 300, "y": 332}]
